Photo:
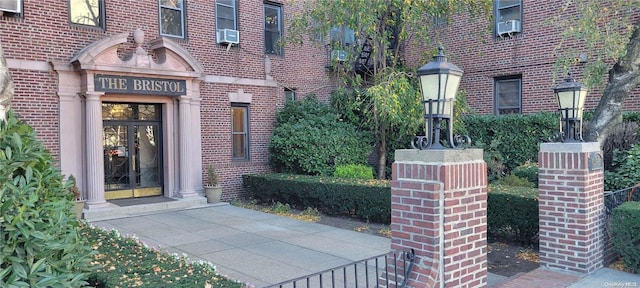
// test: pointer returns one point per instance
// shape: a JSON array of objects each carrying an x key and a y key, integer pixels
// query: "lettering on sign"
[
  {"x": 139, "y": 85},
  {"x": 595, "y": 161}
]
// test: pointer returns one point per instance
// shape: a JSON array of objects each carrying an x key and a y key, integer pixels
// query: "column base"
[{"x": 95, "y": 205}]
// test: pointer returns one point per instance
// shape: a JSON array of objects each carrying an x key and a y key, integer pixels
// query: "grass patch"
[{"x": 127, "y": 262}]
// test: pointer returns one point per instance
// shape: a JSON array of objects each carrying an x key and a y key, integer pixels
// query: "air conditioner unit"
[
  {"x": 13, "y": 6},
  {"x": 508, "y": 27},
  {"x": 338, "y": 55},
  {"x": 228, "y": 36}
]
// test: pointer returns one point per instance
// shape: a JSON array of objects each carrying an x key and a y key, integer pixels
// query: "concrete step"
[{"x": 148, "y": 205}]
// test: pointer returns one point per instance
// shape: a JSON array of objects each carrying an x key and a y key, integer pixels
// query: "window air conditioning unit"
[
  {"x": 508, "y": 27},
  {"x": 338, "y": 55},
  {"x": 12, "y": 6},
  {"x": 227, "y": 36}
]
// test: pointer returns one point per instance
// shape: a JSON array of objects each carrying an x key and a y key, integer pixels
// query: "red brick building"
[
  {"x": 508, "y": 60},
  {"x": 137, "y": 98}
]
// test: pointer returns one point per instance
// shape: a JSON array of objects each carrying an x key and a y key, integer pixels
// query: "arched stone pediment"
[{"x": 170, "y": 58}]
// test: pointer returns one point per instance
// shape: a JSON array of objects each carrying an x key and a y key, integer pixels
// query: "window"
[
  {"x": 87, "y": 12},
  {"x": 507, "y": 10},
  {"x": 240, "y": 132},
  {"x": 226, "y": 15},
  {"x": 290, "y": 94},
  {"x": 272, "y": 29},
  {"x": 172, "y": 18},
  {"x": 11, "y": 8},
  {"x": 508, "y": 95}
]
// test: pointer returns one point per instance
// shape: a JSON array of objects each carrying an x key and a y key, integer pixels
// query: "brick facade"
[
  {"x": 471, "y": 44},
  {"x": 424, "y": 182},
  {"x": 43, "y": 35},
  {"x": 571, "y": 206}
]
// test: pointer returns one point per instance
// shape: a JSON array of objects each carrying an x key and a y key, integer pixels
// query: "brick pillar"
[
  {"x": 571, "y": 202},
  {"x": 439, "y": 204}
]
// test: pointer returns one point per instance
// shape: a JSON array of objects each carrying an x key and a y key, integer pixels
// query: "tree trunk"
[
  {"x": 382, "y": 154},
  {"x": 623, "y": 78},
  {"x": 6, "y": 86}
]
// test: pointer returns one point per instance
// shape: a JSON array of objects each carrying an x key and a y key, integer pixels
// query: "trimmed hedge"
[
  {"x": 515, "y": 138},
  {"x": 368, "y": 200},
  {"x": 512, "y": 213},
  {"x": 625, "y": 225}
]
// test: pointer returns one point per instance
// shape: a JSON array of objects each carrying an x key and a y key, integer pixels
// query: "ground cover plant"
[{"x": 127, "y": 262}]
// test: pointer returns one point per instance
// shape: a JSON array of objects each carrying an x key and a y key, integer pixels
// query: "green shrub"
[
  {"x": 366, "y": 199},
  {"x": 529, "y": 171},
  {"x": 515, "y": 181},
  {"x": 515, "y": 137},
  {"x": 354, "y": 171},
  {"x": 627, "y": 169},
  {"x": 40, "y": 243},
  {"x": 625, "y": 226},
  {"x": 512, "y": 213},
  {"x": 310, "y": 139}
]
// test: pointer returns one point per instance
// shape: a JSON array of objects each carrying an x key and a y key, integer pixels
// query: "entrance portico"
[{"x": 102, "y": 77}]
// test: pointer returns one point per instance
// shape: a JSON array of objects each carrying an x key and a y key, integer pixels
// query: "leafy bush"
[
  {"x": 309, "y": 139},
  {"x": 354, "y": 171},
  {"x": 41, "y": 245},
  {"x": 627, "y": 171},
  {"x": 529, "y": 171},
  {"x": 366, "y": 199},
  {"x": 621, "y": 137},
  {"x": 515, "y": 137},
  {"x": 512, "y": 213},
  {"x": 625, "y": 226}
]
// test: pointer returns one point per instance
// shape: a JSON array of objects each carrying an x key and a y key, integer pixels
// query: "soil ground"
[{"x": 503, "y": 258}]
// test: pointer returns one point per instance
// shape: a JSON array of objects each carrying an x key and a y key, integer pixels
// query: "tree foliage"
[
  {"x": 603, "y": 31},
  {"x": 386, "y": 91}
]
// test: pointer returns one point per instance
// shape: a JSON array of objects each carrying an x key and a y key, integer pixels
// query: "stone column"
[
  {"x": 571, "y": 206},
  {"x": 439, "y": 209},
  {"x": 186, "y": 163},
  {"x": 95, "y": 153}
]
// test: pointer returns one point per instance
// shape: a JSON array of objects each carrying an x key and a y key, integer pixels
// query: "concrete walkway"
[{"x": 264, "y": 249}]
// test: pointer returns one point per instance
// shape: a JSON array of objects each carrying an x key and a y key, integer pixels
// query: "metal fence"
[
  {"x": 613, "y": 199},
  {"x": 387, "y": 270}
]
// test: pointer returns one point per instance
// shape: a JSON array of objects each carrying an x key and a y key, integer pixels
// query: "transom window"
[
  {"x": 508, "y": 95},
  {"x": 272, "y": 29},
  {"x": 172, "y": 18},
  {"x": 226, "y": 15},
  {"x": 240, "y": 132},
  {"x": 87, "y": 12}
]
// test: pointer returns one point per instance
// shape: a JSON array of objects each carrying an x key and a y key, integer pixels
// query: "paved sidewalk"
[
  {"x": 545, "y": 278},
  {"x": 248, "y": 245}
]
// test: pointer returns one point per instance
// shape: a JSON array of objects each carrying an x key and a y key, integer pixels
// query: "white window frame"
[
  {"x": 182, "y": 18},
  {"x": 233, "y": 6},
  {"x": 497, "y": 83}
]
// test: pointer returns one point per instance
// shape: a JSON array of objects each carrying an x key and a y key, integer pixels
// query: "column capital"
[
  {"x": 570, "y": 147},
  {"x": 93, "y": 96},
  {"x": 438, "y": 155}
]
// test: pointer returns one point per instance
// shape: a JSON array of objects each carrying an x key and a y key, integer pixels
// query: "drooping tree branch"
[{"x": 624, "y": 76}]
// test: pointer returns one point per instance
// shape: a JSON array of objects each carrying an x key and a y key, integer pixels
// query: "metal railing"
[
  {"x": 377, "y": 271},
  {"x": 613, "y": 199}
]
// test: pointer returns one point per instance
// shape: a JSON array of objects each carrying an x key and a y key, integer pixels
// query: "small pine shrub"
[
  {"x": 529, "y": 171},
  {"x": 354, "y": 171},
  {"x": 513, "y": 180},
  {"x": 39, "y": 235},
  {"x": 625, "y": 226}
]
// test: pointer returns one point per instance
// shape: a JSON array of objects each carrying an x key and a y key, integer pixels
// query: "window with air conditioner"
[
  {"x": 11, "y": 6},
  {"x": 226, "y": 17},
  {"x": 87, "y": 12},
  {"x": 508, "y": 17},
  {"x": 508, "y": 95}
]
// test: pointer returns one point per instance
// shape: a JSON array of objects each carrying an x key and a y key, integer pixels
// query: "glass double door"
[{"x": 132, "y": 150}]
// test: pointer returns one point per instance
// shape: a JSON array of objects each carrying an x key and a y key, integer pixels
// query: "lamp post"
[
  {"x": 439, "y": 82},
  {"x": 571, "y": 96}
]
